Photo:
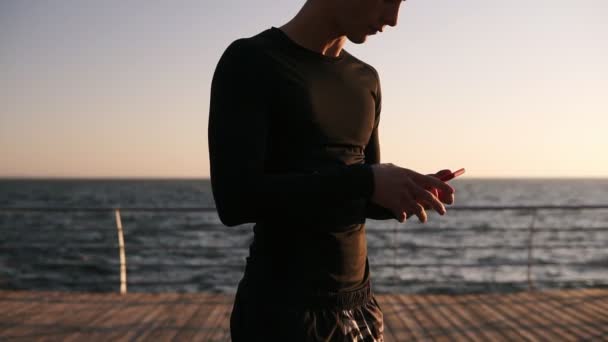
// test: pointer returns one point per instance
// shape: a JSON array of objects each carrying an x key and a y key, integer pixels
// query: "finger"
[
  {"x": 441, "y": 186},
  {"x": 400, "y": 213},
  {"x": 400, "y": 216},
  {"x": 446, "y": 198},
  {"x": 443, "y": 196},
  {"x": 426, "y": 196},
  {"x": 425, "y": 204},
  {"x": 431, "y": 189},
  {"x": 419, "y": 211},
  {"x": 435, "y": 193},
  {"x": 406, "y": 203},
  {"x": 412, "y": 207}
]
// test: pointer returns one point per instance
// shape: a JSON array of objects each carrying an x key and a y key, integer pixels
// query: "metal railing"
[{"x": 530, "y": 245}]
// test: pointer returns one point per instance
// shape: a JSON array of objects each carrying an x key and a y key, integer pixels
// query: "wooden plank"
[
  {"x": 17, "y": 311},
  {"x": 37, "y": 317},
  {"x": 510, "y": 307},
  {"x": 87, "y": 327},
  {"x": 460, "y": 321},
  {"x": 22, "y": 327},
  {"x": 398, "y": 325},
  {"x": 187, "y": 323},
  {"x": 570, "y": 306},
  {"x": 505, "y": 319},
  {"x": 9, "y": 307},
  {"x": 153, "y": 318},
  {"x": 218, "y": 326},
  {"x": 490, "y": 327},
  {"x": 387, "y": 311},
  {"x": 566, "y": 324},
  {"x": 594, "y": 301},
  {"x": 225, "y": 325},
  {"x": 449, "y": 330},
  {"x": 544, "y": 315},
  {"x": 156, "y": 316},
  {"x": 178, "y": 313},
  {"x": 411, "y": 316},
  {"x": 124, "y": 323},
  {"x": 206, "y": 320},
  {"x": 433, "y": 325},
  {"x": 67, "y": 320},
  {"x": 193, "y": 324},
  {"x": 542, "y": 328}
]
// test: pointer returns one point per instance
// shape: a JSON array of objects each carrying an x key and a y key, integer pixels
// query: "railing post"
[
  {"x": 530, "y": 250},
  {"x": 121, "y": 252},
  {"x": 395, "y": 248}
]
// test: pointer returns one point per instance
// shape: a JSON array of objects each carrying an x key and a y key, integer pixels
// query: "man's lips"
[{"x": 375, "y": 30}]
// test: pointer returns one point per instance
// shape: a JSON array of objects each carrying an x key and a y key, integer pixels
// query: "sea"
[{"x": 465, "y": 251}]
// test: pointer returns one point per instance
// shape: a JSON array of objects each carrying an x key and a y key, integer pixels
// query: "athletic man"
[{"x": 294, "y": 148}]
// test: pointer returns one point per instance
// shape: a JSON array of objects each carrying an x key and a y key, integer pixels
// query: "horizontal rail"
[
  {"x": 403, "y": 230},
  {"x": 112, "y": 280},
  {"x": 431, "y": 230},
  {"x": 104, "y": 209},
  {"x": 86, "y": 247},
  {"x": 522, "y": 263},
  {"x": 190, "y": 209}
]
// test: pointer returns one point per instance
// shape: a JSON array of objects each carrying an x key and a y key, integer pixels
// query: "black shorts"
[{"x": 260, "y": 316}]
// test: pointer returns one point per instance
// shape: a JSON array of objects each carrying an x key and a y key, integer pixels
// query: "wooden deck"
[{"x": 568, "y": 315}]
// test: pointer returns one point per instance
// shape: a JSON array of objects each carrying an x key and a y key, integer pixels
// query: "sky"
[{"x": 114, "y": 88}]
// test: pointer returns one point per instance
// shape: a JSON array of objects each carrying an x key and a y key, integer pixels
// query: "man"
[{"x": 294, "y": 148}]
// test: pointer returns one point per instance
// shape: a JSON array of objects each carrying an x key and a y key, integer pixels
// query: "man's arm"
[
  {"x": 372, "y": 156},
  {"x": 237, "y": 136}
]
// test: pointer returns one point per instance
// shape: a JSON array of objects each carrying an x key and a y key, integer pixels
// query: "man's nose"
[
  {"x": 391, "y": 20},
  {"x": 391, "y": 17}
]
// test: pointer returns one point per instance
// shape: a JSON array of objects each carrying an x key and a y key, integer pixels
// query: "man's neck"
[{"x": 313, "y": 29}]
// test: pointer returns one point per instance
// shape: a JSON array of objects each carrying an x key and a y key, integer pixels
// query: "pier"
[{"x": 551, "y": 315}]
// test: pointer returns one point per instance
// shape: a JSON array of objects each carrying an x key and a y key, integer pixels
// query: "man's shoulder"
[
  {"x": 250, "y": 45},
  {"x": 364, "y": 64}
]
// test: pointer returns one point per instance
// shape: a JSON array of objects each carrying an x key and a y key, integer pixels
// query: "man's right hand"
[{"x": 403, "y": 191}]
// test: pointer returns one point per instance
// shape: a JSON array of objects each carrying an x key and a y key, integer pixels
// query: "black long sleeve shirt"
[{"x": 292, "y": 136}]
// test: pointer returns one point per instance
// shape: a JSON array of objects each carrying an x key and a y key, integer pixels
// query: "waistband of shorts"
[
  {"x": 340, "y": 300},
  {"x": 307, "y": 298}
]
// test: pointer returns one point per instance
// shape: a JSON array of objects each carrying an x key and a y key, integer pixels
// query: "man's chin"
[{"x": 358, "y": 39}]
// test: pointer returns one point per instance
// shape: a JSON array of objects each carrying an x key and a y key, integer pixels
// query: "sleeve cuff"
[{"x": 361, "y": 180}]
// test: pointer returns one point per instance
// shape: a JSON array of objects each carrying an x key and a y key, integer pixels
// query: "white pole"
[
  {"x": 530, "y": 250},
  {"x": 121, "y": 251}
]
